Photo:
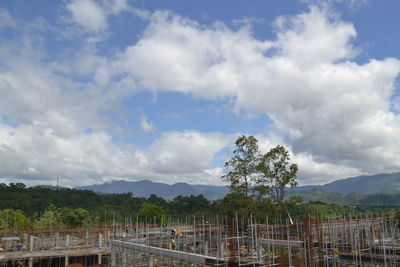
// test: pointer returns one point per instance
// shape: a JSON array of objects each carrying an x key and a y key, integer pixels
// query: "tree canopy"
[
  {"x": 254, "y": 176},
  {"x": 275, "y": 173},
  {"x": 151, "y": 213},
  {"x": 243, "y": 165}
]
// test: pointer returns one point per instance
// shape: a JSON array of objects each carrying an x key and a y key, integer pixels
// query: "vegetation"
[
  {"x": 276, "y": 173},
  {"x": 13, "y": 219},
  {"x": 151, "y": 213},
  {"x": 46, "y": 208},
  {"x": 242, "y": 167},
  {"x": 260, "y": 185},
  {"x": 351, "y": 199},
  {"x": 83, "y": 208},
  {"x": 258, "y": 182}
]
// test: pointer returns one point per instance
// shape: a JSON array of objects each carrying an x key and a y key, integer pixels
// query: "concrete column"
[
  {"x": 57, "y": 239},
  {"x": 67, "y": 241},
  {"x": 124, "y": 262},
  {"x": 25, "y": 242},
  {"x": 150, "y": 262},
  {"x": 99, "y": 259},
  {"x": 113, "y": 257},
  {"x": 100, "y": 239},
  {"x": 87, "y": 238},
  {"x": 30, "y": 263},
  {"x": 373, "y": 233},
  {"x": 206, "y": 248},
  {"x": 107, "y": 235},
  {"x": 31, "y": 243},
  {"x": 220, "y": 250},
  {"x": 66, "y": 261}
]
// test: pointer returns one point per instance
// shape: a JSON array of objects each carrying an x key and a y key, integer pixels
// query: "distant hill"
[
  {"x": 379, "y": 183},
  {"x": 379, "y": 189},
  {"x": 145, "y": 188},
  {"x": 351, "y": 199},
  {"x": 331, "y": 192}
]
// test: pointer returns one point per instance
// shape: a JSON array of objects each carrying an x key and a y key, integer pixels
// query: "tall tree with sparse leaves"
[
  {"x": 275, "y": 173},
  {"x": 242, "y": 166}
]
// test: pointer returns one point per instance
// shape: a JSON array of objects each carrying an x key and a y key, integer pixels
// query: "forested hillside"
[
  {"x": 48, "y": 208},
  {"x": 39, "y": 203}
]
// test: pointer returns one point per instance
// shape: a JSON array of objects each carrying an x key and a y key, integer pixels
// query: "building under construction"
[{"x": 210, "y": 242}]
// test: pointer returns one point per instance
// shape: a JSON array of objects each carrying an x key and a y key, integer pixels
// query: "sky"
[{"x": 98, "y": 90}]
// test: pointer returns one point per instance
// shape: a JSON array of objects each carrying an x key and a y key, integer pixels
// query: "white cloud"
[
  {"x": 116, "y": 6},
  {"x": 92, "y": 15},
  {"x": 313, "y": 38},
  {"x": 87, "y": 14},
  {"x": 352, "y": 4},
  {"x": 45, "y": 117},
  {"x": 330, "y": 107},
  {"x": 146, "y": 126},
  {"x": 32, "y": 154},
  {"x": 5, "y": 19},
  {"x": 180, "y": 55},
  {"x": 186, "y": 152},
  {"x": 334, "y": 113},
  {"x": 311, "y": 171}
]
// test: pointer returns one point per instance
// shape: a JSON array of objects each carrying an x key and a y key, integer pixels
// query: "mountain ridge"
[
  {"x": 386, "y": 183},
  {"x": 364, "y": 184},
  {"x": 145, "y": 188}
]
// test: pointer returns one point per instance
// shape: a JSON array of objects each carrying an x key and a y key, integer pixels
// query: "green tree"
[
  {"x": 148, "y": 212},
  {"x": 242, "y": 166},
  {"x": 275, "y": 173},
  {"x": 73, "y": 218},
  {"x": 236, "y": 203},
  {"x": 82, "y": 217},
  {"x": 49, "y": 220},
  {"x": 13, "y": 220},
  {"x": 397, "y": 216}
]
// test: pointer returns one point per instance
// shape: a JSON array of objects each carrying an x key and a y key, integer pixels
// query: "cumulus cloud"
[
  {"x": 314, "y": 38},
  {"x": 33, "y": 154},
  {"x": 335, "y": 115},
  {"x": 185, "y": 152},
  {"x": 332, "y": 109},
  {"x": 311, "y": 171},
  {"x": 92, "y": 15}
]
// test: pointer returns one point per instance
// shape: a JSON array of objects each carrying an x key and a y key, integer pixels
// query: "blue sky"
[{"x": 99, "y": 90}]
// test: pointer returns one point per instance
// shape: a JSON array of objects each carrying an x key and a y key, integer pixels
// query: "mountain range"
[
  {"x": 373, "y": 184},
  {"x": 361, "y": 185},
  {"x": 145, "y": 188}
]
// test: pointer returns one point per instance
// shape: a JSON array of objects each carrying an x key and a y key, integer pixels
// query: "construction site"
[{"x": 201, "y": 241}]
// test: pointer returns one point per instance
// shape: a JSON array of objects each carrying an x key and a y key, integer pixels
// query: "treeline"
[
  {"x": 44, "y": 208},
  {"x": 351, "y": 199},
  {"x": 47, "y": 208}
]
